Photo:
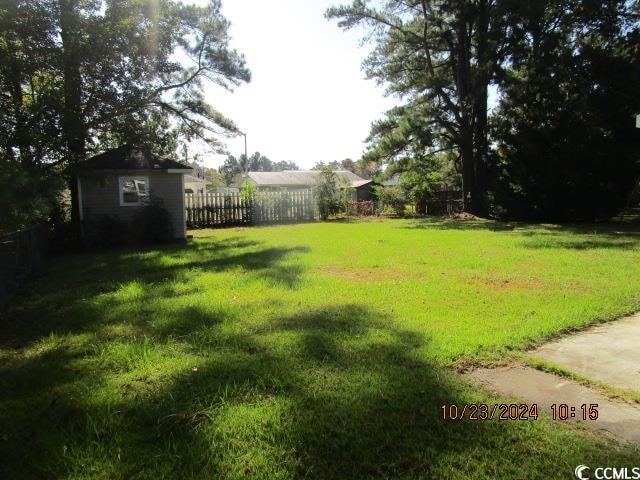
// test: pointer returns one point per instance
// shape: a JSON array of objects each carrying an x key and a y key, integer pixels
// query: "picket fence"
[{"x": 220, "y": 209}]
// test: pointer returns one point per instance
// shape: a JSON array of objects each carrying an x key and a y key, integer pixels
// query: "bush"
[
  {"x": 152, "y": 224},
  {"x": 393, "y": 198},
  {"x": 360, "y": 208},
  {"x": 328, "y": 203},
  {"x": 248, "y": 191},
  {"x": 28, "y": 195},
  {"x": 108, "y": 231}
]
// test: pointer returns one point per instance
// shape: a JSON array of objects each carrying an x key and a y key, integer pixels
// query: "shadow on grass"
[
  {"x": 338, "y": 392},
  {"x": 623, "y": 234},
  {"x": 334, "y": 392},
  {"x": 344, "y": 398},
  {"x": 33, "y": 315}
]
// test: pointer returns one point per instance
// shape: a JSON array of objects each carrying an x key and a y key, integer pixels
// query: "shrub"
[
  {"x": 108, "y": 231},
  {"x": 248, "y": 191},
  {"x": 360, "y": 208},
  {"x": 328, "y": 203},
  {"x": 152, "y": 223},
  {"x": 393, "y": 198}
]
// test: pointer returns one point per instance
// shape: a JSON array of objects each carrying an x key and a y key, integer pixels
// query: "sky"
[{"x": 308, "y": 99}]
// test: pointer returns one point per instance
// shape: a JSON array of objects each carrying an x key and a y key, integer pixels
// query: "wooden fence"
[
  {"x": 219, "y": 209},
  {"x": 21, "y": 253}
]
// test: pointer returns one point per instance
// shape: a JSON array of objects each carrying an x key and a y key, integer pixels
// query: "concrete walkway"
[
  {"x": 533, "y": 386},
  {"x": 609, "y": 352}
]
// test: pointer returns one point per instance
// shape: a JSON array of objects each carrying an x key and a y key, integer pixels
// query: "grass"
[{"x": 306, "y": 351}]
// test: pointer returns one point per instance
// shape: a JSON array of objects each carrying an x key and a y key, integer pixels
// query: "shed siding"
[
  {"x": 364, "y": 193},
  {"x": 100, "y": 197}
]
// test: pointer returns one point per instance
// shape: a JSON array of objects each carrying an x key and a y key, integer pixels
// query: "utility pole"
[{"x": 246, "y": 158}]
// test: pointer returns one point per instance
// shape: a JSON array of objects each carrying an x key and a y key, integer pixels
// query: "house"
[
  {"x": 295, "y": 180},
  {"x": 226, "y": 190},
  {"x": 119, "y": 182},
  {"x": 194, "y": 184}
]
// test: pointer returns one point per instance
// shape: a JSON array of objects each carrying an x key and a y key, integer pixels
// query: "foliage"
[
  {"x": 564, "y": 71},
  {"x": 283, "y": 165},
  {"x": 367, "y": 168},
  {"x": 436, "y": 57},
  {"x": 346, "y": 192},
  {"x": 393, "y": 198},
  {"x": 152, "y": 224},
  {"x": 418, "y": 177},
  {"x": 233, "y": 168},
  {"x": 279, "y": 201},
  {"x": 248, "y": 191},
  {"x": 567, "y": 146},
  {"x": 333, "y": 165},
  {"x": 360, "y": 208},
  {"x": 26, "y": 195},
  {"x": 364, "y": 168},
  {"x": 106, "y": 231},
  {"x": 79, "y": 76},
  {"x": 214, "y": 358},
  {"x": 211, "y": 175},
  {"x": 327, "y": 192}
]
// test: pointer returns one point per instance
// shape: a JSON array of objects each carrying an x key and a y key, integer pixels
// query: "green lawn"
[{"x": 306, "y": 351}]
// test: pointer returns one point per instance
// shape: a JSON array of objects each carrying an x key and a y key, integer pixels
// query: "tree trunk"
[
  {"x": 469, "y": 191},
  {"x": 465, "y": 90},
  {"x": 480, "y": 92},
  {"x": 73, "y": 125}
]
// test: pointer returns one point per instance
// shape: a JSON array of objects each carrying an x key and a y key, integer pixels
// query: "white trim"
[
  {"x": 179, "y": 170},
  {"x": 80, "y": 213},
  {"x": 135, "y": 179}
]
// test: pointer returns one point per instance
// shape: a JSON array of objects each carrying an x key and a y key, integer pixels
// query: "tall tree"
[
  {"x": 441, "y": 56},
  {"x": 110, "y": 71},
  {"x": 333, "y": 165},
  {"x": 233, "y": 167},
  {"x": 565, "y": 136}
]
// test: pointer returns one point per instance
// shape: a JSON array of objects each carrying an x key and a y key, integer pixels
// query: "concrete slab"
[
  {"x": 609, "y": 352},
  {"x": 533, "y": 386}
]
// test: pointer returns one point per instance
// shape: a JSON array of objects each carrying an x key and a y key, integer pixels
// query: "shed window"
[{"x": 133, "y": 190}]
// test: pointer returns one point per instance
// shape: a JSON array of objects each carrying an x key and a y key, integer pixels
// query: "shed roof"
[
  {"x": 130, "y": 157},
  {"x": 300, "y": 178}
]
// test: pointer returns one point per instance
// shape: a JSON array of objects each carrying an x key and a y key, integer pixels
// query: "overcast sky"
[{"x": 308, "y": 100}]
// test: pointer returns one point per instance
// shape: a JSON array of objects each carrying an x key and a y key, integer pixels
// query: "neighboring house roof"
[
  {"x": 282, "y": 179},
  {"x": 130, "y": 157},
  {"x": 188, "y": 178},
  {"x": 300, "y": 178}
]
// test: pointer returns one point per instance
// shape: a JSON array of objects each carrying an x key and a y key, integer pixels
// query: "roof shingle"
[
  {"x": 130, "y": 157},
  {"x": 300, "y": 178}
]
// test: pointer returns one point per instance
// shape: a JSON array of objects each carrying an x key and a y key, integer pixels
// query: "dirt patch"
[
  {"x": 513, "y": 283},
  {"x": 367, "y": 274},
  {"x": 499, "y": 281},
  {"x": 462, "y": 216}
]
